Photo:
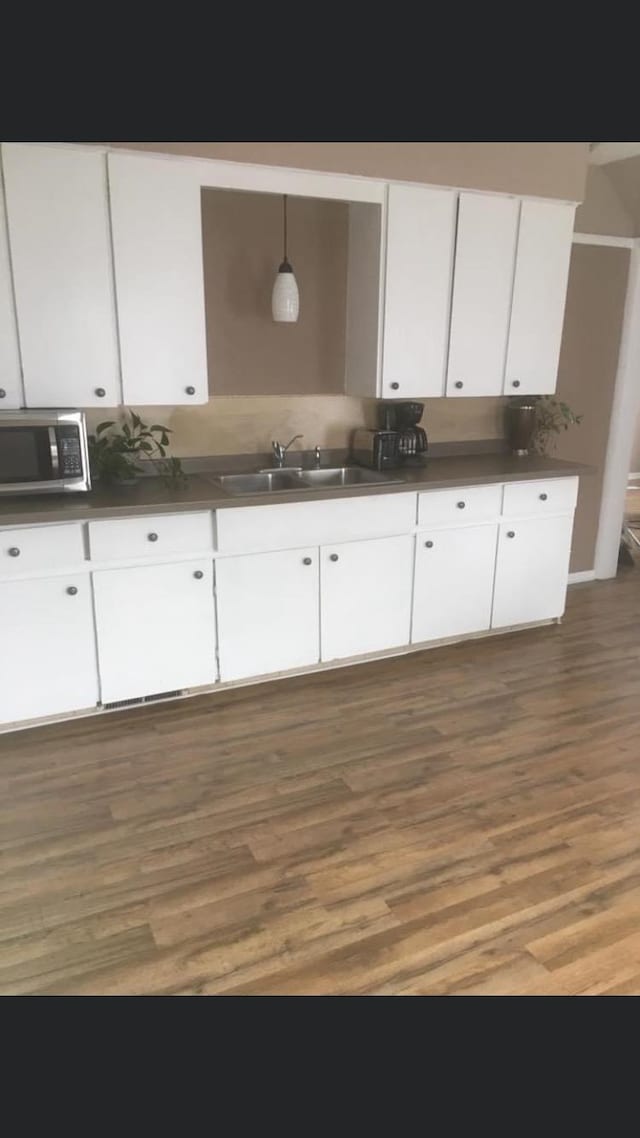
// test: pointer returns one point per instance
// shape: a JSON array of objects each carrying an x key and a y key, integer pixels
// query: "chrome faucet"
[
  {"x": 317, "y": 456},
  {"x": 280, "y": 451}
]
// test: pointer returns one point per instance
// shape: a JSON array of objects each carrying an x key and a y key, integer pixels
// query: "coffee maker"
[{"x": 411, "y": 440}]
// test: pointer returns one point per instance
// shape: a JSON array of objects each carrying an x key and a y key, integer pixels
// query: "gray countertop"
[{"x": 151, "y": 496}]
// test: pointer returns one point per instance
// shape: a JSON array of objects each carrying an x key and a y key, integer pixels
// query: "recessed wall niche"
[{"x": 248, "y": 353}]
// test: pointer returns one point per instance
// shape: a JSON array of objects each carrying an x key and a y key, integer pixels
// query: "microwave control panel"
[{"x": 69, "y": 451}]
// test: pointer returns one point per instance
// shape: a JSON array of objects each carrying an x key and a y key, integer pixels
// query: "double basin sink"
[{"x": 288, "y": 480}]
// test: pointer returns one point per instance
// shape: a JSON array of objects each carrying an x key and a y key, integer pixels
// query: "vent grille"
[{"x": 142, "y": 700}]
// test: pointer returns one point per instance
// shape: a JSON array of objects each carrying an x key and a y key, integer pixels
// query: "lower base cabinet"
[
  {"x": 156, "y": 629},
  {"x": 48, "y": 651},
  {"x": 268, "y": 612},
  {"x": 453, "y": 586},
  {"x": 365, "y": 596},
  {"x": 531, "y": 570}
]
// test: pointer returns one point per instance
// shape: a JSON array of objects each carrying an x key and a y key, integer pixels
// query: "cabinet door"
[
  {"x": 482, "y": 287},
  {"x": 268, "y": 612},
  {"x": 365, "y": 596},
  {"x": 157, "y": 248},
  {"x": 58, "y": 218},
  {"x": 156, "y": 629},
  {"x": 11, "y": 394},
  {"x": 453, "y": 585},
  {"x": 539, "y": 293},
  {"x": 532, "y": 570},
  {"x": 48, "y": 657},
  {"x": 420, "y": 238}
]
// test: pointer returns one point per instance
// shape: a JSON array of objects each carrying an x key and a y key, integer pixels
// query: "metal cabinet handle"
[
  {"x": 152, "y": 537},
  {"x": 190, "y": 390},
  {"x": 429, "y": 544},
  {"x": 198, "y": 574},
  {"x": 543, "y": 497},
  {"x": 511, "y": 533},
  {"x": 516, "y": 383},
  {"x": 72, "y": 591},
  {"x": 394, "y": 386},
  {"x": 3, "y": 393},
  {"x": 307, "y": 561},
  {"x": 14, "y": 551},
  {"x": 459, "y": 384},
  {"x": 461, "y": 505},
  {"x": 333, "y": 557},
  {"x": 100, "y": 392}
]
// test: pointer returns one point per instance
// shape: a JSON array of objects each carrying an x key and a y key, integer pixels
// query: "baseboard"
[
  {"x": 633, "y": 476},
  {"x": 584, "y": 575}
]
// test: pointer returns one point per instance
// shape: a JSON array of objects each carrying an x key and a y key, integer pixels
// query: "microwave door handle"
[{"x": 54, "y": 454}]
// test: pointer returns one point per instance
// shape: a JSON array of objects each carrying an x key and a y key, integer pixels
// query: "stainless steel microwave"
[{"x": 43, "y": 452}]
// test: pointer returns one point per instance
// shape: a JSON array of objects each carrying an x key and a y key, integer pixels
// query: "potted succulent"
[
  {"x": 533, "y": 420},
  {"x": 115, "y": 451}
]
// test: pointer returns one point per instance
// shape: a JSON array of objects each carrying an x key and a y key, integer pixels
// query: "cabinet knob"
[
  {"x": 511, "y": 533},
  {"x": 394, "y": 386},
  {"x": 459, "y": 384},
  {"x": 198, "y": 574},
  {"x": 516, "y": 383},
  {"x": 14, "y": 551},
  {"x": 100, "y": 392},
  {"x": 307, "y": 561},
  {"x": 190, "y": 390},
  {"x": 333, "y": 557},
  {"x": 461, "y": 505},
  {"x": 152, "y": 537},
  {"x": 543, "y": 497},
  {"x": 3, "y": 393},
  {"x": 72, "y": 591},
  {"x": 429, "y": 544}
]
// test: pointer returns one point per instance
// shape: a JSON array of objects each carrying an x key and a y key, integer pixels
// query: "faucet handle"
[{"x": 316, "y": 455}]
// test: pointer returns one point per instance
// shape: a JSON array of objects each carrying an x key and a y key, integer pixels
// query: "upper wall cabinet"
[
  {"x": 420, "y": 242},
  {"x": 11, "y": 395},
  {"x": 58, "y": 220},
  {"x": 482, "y": 288},
  {"x": 539, "y": 293},
  {"x": 157, "y": 246}
]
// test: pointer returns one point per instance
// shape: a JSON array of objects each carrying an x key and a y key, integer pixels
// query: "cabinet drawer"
[
  {"x": 42, "y": 549},
  {"x": 464, "y": 504},
  {"x": 119, "y": 539},
  {"x": 297, "y": 524},
  {"x": 553, "y": 496}
]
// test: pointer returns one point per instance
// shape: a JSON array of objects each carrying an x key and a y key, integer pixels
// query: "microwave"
[{"x": 43, "y": 452}]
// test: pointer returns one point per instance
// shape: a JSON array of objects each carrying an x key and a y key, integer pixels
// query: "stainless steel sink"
[
  {"x": 345, "y": 476},
  {"x": 268, "y": 482}
]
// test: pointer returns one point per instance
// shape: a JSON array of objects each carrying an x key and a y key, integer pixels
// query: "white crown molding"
[{"x": 604, "y": 239}]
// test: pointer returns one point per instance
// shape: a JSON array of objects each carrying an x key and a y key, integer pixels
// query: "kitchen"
[{"x": 344, "y": 492}]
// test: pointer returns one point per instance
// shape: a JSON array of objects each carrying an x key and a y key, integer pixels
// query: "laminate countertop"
[{"x": 202, "y": 492}]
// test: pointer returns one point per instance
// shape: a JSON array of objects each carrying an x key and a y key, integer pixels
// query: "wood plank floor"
[{"x": 462, "y": 821}]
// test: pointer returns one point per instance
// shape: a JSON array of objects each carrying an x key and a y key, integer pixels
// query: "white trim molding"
[
  {"x": 622, "y": 428},
  {"x": 604, "y": 239},
  {"x": 582, "y": 576}
]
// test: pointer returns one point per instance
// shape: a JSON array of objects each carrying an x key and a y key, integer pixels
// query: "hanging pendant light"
[{"x": 285, "y": 298}]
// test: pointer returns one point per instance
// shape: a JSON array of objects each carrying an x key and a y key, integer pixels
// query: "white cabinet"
[
  {"x": 157, "y": 246},
  {"x": 268, "y": 612},
  {"x": 539, "y": 293},
  {"x": 156, "y": 629},
  {"x": 482, "y": 288},
  {"x": 453, "y": 584},
  {"x": 365, "y": 596},
  {"x": 531, "y": 570},
  {"x": 58, "y": 218},
  {"x": 48, "y": 656},
  {"x": 420, "y": 243},
  {"x": 11, "y": 394}
]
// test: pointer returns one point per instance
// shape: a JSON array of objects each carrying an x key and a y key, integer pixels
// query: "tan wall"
[
  {"x": 635, "y": 458},
  {"x": 587, "y": 373},
  {"x": 247, "y": 425},
  {"x": 248, "y": 353},
  {"x": 548, "y": 169},
  {"x": 603, "y": 210}
]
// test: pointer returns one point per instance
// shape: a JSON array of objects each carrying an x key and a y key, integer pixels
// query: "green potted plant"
[
  {"x": 534, "y": 420},
  {"x": 115, "y": 451}
]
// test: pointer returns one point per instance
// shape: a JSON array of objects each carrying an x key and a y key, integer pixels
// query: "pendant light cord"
[{"x": 284, "y": 207}]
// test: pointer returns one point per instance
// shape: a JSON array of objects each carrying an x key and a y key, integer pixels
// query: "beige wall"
[
  {"x": 547, "y": 169},
  {"x": 635, "y": 457},
  {"x": 248, "y": 353},
  {"x": 587, "y": 374},
  {"x": 603, "y": 210}
]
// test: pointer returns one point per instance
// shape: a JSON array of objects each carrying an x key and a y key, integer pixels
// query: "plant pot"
[{"x": 521, "y": 425}]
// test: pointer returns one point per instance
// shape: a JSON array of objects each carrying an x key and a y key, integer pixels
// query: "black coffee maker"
[{"x": 403, "y": 418}]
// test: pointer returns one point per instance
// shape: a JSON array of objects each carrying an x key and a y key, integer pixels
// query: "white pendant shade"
[{"x": 285, "y": 298}]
